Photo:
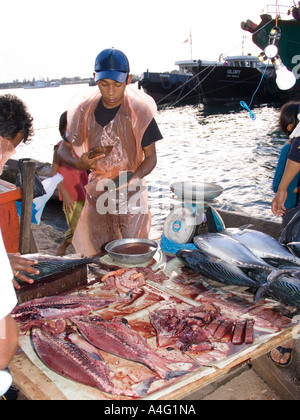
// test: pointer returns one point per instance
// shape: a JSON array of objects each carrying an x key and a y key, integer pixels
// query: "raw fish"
[
  {"x": 183, "y": 327},
  {"x": 80, "y": 364},
  {"x": 61, "y": 307},
  {"x": 49, "y": 266},
  {"x": 261, "y": 244},
  {"x": 230, "y": 250},
  {"x": 215, "y": 268},
  {"x": 118, "y": 338}
]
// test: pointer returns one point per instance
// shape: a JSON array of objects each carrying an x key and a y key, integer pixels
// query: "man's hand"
[
  {"x": 88, "y": 163},
  {"x": 278, "y": 207},
  {"x": 22, "y": 264}
]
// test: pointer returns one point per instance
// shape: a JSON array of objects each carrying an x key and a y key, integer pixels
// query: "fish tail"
[
  {"x": 272, "y": 278},
  {"x": 175, "y": 374},
  {"x": 143, "y": 387},
  {"x": 260, "y": 293},
  {"x": 162, "y": 367}
]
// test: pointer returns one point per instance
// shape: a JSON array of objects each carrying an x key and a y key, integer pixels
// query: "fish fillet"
[
  {"x": 75, "y": 363},
  {"x": 116, "y": 337}
]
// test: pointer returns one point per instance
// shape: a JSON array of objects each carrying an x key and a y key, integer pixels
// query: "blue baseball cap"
[{"x": 112, "y": 64}]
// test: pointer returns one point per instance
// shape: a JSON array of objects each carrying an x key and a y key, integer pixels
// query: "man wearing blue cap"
[{"x": 113, "y": 131}]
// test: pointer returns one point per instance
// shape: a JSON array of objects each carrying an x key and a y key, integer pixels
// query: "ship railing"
[{"x": 279, "y": 10}]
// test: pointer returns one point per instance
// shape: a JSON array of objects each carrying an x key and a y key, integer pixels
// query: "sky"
[{"x": 62, "y": 38}]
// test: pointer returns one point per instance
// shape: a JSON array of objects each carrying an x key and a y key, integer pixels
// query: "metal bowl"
[
  {"x": 201, "y": 191},
  {"x": 131, "y": 258}
]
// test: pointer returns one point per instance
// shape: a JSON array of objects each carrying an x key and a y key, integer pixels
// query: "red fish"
[
  {"x": 60, "y": 307},
  {"x": 79, "y": 363},
  {"x": 118, "y": 338}
]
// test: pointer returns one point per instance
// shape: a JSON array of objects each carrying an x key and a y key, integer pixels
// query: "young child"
[
  {"x": 71, "y": 191},
  {"x": 288, "y": 122}
]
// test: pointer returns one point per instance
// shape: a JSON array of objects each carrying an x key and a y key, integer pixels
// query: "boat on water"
[
  {"x": 40, "y": 84},
  {"x": 286, "y": 21},
  {"x": 166, "y": 88},
  {"x": 236, "y": 79},
  {"x": 225, "y": 82}
]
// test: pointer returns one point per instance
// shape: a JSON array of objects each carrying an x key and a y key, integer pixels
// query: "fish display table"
[{"x": 272, "y": 328}]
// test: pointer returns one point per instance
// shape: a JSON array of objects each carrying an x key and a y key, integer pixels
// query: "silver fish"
[
  {"x": 234, "y": 252},
  {"x": 262, "y": 245},
  {"x": 215, "y": 268},
  {"x": 230, "y": 250},
  {"x": 287, "y": 290}
]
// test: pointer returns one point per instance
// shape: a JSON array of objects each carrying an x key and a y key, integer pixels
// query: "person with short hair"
[
  {"x": 293, "y": 162},
  {"x": 15, "y": 126},
  {"x": 114, "y": 133}
]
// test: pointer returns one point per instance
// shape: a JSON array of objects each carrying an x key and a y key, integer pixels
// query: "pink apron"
[{"x": 109, "y": 215}]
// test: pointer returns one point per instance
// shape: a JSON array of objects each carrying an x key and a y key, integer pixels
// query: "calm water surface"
[{"x": 216, "y": 145}]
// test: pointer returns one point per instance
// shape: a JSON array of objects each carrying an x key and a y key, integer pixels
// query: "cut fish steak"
[{"x": 183, "y": 327}]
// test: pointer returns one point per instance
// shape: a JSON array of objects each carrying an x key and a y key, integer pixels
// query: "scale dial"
[{"x": 181, "y": 224}]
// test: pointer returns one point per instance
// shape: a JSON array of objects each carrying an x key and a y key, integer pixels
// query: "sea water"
[{"x": 216, "y": 145}]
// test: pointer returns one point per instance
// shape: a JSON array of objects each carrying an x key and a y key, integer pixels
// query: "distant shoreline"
[
  {"x": 64, "y": 81},
  {"x": 16, "y": 84}
]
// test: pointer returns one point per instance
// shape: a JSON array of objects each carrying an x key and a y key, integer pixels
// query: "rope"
[
  {"x": 247, "y": 107},
  {"x": 199, "y": 83},
  {"x": 182, "y": 86},
  {"x": 276, "y": 13},
  {"x": 244, "y": 105},
  {"x": 213, "y": 67}
]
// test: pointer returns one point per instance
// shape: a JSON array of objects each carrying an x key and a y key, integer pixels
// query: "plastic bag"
[
  {"x": 39, "y": 203},
  {"x": 39, "y": 190}
]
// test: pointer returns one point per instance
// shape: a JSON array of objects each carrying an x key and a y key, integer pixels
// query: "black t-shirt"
[
  {"x": 104, "y": 116},
  {"x": 294, "y": 153}
]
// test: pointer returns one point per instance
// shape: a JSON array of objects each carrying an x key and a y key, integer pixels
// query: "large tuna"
[
  {"x": 262, "y": 245},
  {"x": 215, "y": 268}
]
